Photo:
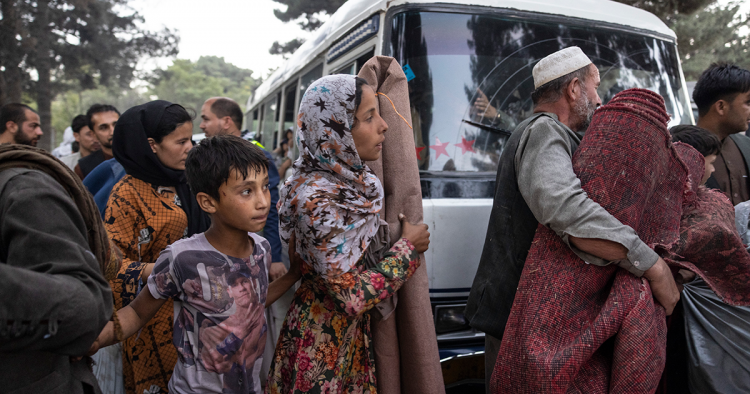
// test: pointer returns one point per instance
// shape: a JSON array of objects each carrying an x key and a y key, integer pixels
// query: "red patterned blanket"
[{"x": 576, "y": 327}]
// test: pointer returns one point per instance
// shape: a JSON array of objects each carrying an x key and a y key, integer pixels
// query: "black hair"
[
  {"x": 99, "y": 108},
  {"x": 78, "y": 123},
  {"x": 358, "y": 83},
  {"x": 699, "y": 138},
  {"x": 720, "y": 81},
  {"x": 554, "y": 89},
  {"x": 174, "y": 116},
  {"x": 13, "y": 112},
  {"x": 209, "y": 164},
  {"x": 223, "y": 106}
]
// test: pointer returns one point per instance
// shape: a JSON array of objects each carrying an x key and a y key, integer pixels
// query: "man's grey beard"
[{"x": 584, "y": 110}]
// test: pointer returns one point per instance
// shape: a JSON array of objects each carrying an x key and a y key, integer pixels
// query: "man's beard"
[
  {"x": 107, "y": 144},
  {"x": 21, "y": 139},
  {"x": 584, "y": 109}
]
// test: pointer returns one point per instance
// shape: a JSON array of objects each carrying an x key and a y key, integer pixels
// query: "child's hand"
[
  {"x": 101, "y": 340},
  {"x": 295, "y": 260},
  {"x": 417, "y": 234},
  {"x": 276, "y": 271}
]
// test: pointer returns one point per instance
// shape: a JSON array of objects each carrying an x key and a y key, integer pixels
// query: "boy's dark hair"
[
  {"x": 99, "y": 108},
  {"x": 223, "y": 106},
  {"x": 209, "y": 164},
  {"x": 78, "y": 123},
  {"x": 174, "y": 116},
  {"x": 699, "y": 138},
  {"x": 13, "y": 112},
  {"x": 721, "y": 81}
]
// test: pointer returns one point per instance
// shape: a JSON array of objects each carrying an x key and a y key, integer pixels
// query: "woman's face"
[
  {"x": 173, "y": 149},
  {"x": 368, "y": 132}
]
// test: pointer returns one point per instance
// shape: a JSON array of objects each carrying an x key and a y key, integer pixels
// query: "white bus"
[{"x": 454, "y": 52}]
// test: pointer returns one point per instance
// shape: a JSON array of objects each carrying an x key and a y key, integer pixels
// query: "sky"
[{"x": 240, "y": 31}]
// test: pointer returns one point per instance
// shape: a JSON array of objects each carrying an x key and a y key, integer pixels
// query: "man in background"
[
  {"x": 86, "y": 139},
  {"x": 102, "y": 119},
  {"x": 722, "y": 95},
  {"x": 20, "y": 125}
]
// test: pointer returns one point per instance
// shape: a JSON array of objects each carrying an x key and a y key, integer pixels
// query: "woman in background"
[{"x": 149, "y": 209}]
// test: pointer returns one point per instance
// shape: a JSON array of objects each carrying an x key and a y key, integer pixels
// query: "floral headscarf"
[{"x": 332, "y": 201}]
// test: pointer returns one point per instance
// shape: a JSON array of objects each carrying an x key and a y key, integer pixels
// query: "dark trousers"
[{"x": 491, "y": 348}]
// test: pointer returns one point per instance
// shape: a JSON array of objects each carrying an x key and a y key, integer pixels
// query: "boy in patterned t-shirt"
[{"x": 219, "y": 278}]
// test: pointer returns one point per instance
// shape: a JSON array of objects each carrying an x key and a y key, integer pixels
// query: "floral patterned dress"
[{"x": 325, "y": 345}]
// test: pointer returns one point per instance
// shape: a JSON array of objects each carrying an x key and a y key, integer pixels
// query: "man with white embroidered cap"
[{"x": 536, "y": 184}]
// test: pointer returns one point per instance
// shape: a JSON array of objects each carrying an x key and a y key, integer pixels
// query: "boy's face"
[
  {"x": 244, "y": 202},
  {"x": 708, "y": 167}
]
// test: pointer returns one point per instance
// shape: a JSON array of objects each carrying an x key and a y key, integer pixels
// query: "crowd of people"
[{"x": 143, "y": 262}]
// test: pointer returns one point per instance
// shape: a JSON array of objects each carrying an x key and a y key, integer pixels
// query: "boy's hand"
[
  {"x": 276, "y": 271},
  {"x": 103, "y": 339},
  {"x": 295, "y": 260},
  {"x": 417, "y": 234}
]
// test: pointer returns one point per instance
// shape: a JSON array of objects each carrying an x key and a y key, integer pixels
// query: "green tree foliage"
[
  {"x": 706, "y": 32},
  {"x": 71, "y": 103},
  {"x": 307, "y": 14},
  {"x": 709, "y": 36},
  {"x": 191, "y": 83},
  {"x": 306, "y": 9},
  {"x": 51, "y": 46},
  {"x": 286, "y": 49}
]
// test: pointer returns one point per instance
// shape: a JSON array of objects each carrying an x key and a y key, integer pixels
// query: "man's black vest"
[
  {"x": 511, "y": 229},
  {"x": 88, "y": 163}
]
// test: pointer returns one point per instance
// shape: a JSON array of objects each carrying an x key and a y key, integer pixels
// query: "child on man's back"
[
  {"x": 703, "y": 141},
  {"x": 219, "y": 278}
]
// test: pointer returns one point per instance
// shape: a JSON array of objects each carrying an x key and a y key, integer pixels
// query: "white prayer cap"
[{"x": 560, "y": 63}]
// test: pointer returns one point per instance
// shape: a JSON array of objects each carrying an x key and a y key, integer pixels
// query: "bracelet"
[{"x": 118, "y": 328}]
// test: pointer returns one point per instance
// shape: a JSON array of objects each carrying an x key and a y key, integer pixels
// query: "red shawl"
[{"x": 576, "y": 327}]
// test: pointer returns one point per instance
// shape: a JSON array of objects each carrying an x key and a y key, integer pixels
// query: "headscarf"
[
  {"x": 131, "y": 149},
  {"x": 332, "y": 201}
]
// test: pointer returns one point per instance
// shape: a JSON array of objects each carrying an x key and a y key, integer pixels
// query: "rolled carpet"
[{"x": 576, "y": 327}]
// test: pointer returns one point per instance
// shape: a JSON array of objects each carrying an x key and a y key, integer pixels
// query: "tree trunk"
[
  {"x": 43, "y": 65},
  {"x": 10, "y": 53}
]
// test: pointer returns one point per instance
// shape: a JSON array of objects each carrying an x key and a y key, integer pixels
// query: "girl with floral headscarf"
[{"x": 329, "y": 210}]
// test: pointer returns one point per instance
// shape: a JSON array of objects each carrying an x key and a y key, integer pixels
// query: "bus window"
[
  {"x": 454, "y": 59},
  {"x": 254, "y": 122},
  {"x": 309, "y": 78},
  {"x": 269, "y": 124},
  {"x": 289, "y": 115},
  {"x": 363, "y": 59},
  {"x": 348, "y": 69}
]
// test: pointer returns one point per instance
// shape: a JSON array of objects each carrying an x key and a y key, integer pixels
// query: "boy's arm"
[
  {"x": 132, "y": 318},
  {"x": 278, "y": 287}
]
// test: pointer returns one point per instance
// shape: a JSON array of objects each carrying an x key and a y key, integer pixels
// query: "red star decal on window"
[
  {"x": 419, "y": 152},
  {"x": 466, "y": 146},
  {"x": 439, "y": 148}
]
